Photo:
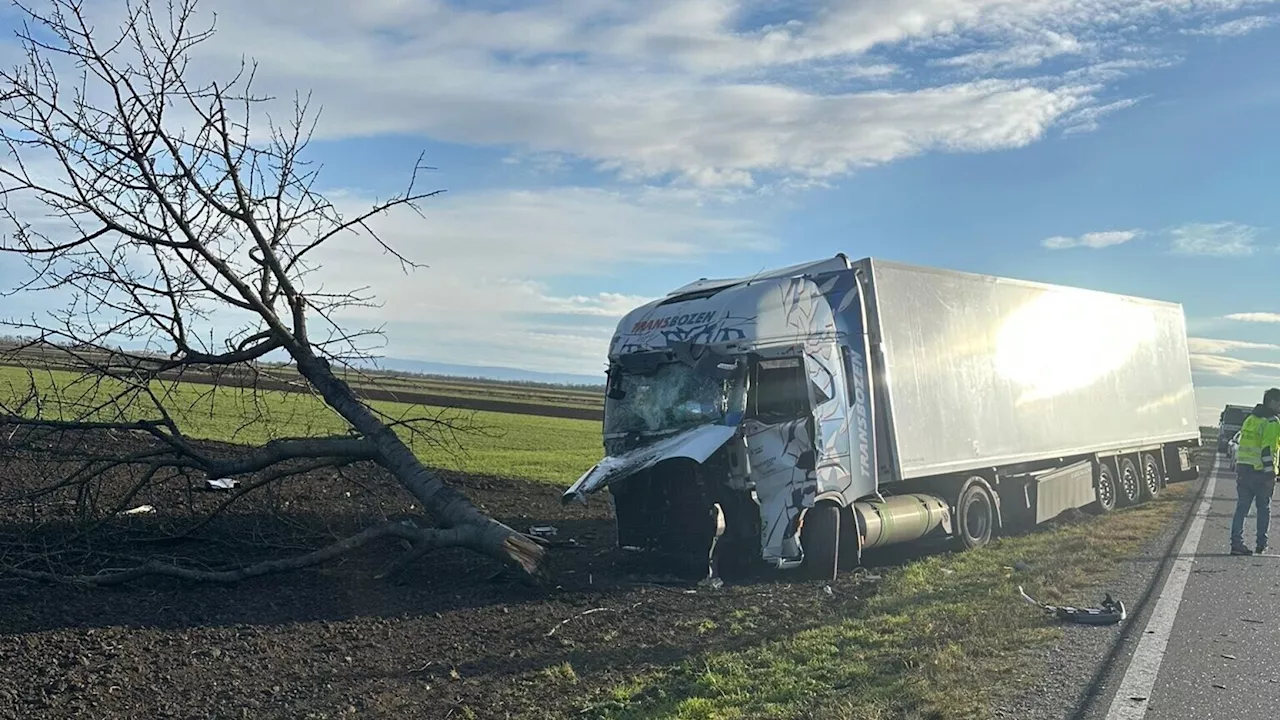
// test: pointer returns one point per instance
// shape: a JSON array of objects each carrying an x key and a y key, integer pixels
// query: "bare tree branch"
[
  {"x": 183, "y": 243},
  {"x": 433, "y": 539}
]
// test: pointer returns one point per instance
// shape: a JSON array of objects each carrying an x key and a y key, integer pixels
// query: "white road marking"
[{"x": 1140, "y": 678}]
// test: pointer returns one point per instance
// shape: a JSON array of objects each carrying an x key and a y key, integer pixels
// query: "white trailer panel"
[{"x": 978, "y": 371}]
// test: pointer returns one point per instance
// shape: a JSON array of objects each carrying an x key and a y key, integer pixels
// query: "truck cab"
[{"x": 734, "y": 407}]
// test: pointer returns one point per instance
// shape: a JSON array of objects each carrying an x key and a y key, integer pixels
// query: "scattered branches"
[{"x": 454, "y": 537}]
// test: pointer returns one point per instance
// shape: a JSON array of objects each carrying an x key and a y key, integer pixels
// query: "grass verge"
[
  {"x": 934, "y": 639},
  {"x": 542, "y": 449}
]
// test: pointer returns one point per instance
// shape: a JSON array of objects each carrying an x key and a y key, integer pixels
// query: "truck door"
[
  {"x": 778, "y": 432},
  {"x": 829, "y": 400}
]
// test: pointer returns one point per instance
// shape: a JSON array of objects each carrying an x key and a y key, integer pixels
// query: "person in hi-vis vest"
[{"x": 1256, "y": 470}]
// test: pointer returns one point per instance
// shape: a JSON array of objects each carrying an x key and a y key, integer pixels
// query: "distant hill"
[{"x": 487, "y": 372}]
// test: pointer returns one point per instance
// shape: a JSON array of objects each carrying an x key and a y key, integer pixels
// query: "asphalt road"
[
  {"x": 1221, "y": 656},
  {"x": 1202, "y": 640}
]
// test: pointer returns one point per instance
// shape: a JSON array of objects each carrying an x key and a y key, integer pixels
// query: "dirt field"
[
  {"x": 454, "y": 637},
  {"x": 450, "y": 639}
]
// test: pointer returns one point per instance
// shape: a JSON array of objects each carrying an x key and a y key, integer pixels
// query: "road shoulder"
[{"x": 1075, "y": 677}]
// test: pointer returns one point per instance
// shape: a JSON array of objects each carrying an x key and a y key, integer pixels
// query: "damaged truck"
[{"x": 796, "y": 418}]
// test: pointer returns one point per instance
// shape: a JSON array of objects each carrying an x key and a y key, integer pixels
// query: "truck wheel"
[
  {"x": 1130, "y": 485},
  {"x": 820, "y": 537},
  {"x": 1152, "y": 478},
  {"x": 1104, "y": 489},
  {"x": 975, "y": 516}
]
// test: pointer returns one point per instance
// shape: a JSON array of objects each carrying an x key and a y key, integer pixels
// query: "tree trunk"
[{"x": 448, "y": 506}]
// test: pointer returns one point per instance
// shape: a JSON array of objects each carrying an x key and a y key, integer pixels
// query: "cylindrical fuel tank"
[{"x": 900, "y": 518}]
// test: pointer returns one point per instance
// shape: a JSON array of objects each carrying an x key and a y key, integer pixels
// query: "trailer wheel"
[
  {"x": 975, "y": 516},
  {"x": 1130, "y": 485},
  {"x": 1152, "y": 478},
  {"x": 820, "y": 537},
  {"x": 1104, "y": 489}
]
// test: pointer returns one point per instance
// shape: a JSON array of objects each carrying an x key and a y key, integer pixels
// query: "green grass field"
[
  {"x": 938, "y": 638},
  {"x": 461, "y": 388},
  {"x": 551, "y": 450}
]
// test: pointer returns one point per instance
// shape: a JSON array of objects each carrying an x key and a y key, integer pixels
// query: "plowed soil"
[{"x": 452, "y": 637}]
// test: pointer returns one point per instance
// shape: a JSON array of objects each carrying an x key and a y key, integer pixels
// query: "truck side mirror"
[{"x": 614, "y": 390}]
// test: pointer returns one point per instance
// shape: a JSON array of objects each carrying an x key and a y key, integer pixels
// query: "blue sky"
[{"x": 597, "y": 153}]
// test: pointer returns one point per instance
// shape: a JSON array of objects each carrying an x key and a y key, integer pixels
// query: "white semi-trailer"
[{"x": 800, "y": 416}]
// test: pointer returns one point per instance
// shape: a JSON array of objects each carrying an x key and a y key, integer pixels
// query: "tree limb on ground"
[{"x": 170, "y": 212}]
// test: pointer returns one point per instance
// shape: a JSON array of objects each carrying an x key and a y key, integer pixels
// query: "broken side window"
[{"x": 779, "y": 390}]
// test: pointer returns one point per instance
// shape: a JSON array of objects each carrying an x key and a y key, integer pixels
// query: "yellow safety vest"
[{"x": 1259, "y": 443}]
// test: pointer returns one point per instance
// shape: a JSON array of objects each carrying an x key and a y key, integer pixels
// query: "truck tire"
[
  {"x": 975, "y": 516},
  {"x": 820, "y": 537},
  {"x": 1129, "y": 483},
  {"x": 1104, "y": 488},
  {"x": 1152, "y": 477}
]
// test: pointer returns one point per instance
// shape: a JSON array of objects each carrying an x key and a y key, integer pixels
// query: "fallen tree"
[{"x": 140, "y": 200}]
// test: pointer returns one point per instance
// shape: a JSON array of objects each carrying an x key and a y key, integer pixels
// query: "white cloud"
[
  {"x": 1223, "y": 239},
  {"x": 1238, "y": 27},
  {"x": 1095, "y": 240},
  {"x": 486, "y": 294},
  {"x": 1088, "y": 119},
  {"x": 1028, "y": 54},
  {"x": 701, "y": 90},
  {"x": 1255, "y": 317},
  {"x": 1232, "y": 367},
  {"x": 1222, "y": 379},
  {"x": 1210, "y": 346}
]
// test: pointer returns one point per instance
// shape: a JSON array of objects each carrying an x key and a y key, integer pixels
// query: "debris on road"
[{"x": 1109, "y": 612}]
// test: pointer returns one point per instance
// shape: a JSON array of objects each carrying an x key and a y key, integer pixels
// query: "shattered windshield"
[{"x": 673, "y": 397}]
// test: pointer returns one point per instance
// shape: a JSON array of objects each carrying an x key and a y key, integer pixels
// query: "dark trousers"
[{"x": 1253, "y": 488}]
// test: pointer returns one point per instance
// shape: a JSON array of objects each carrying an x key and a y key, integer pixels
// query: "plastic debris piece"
[
  {"x": 222, "y": 484},
  {"x": 543, "y": 531},
  {"x": 1109, "y": 612},
  {"x": 140, "y": 510}
]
